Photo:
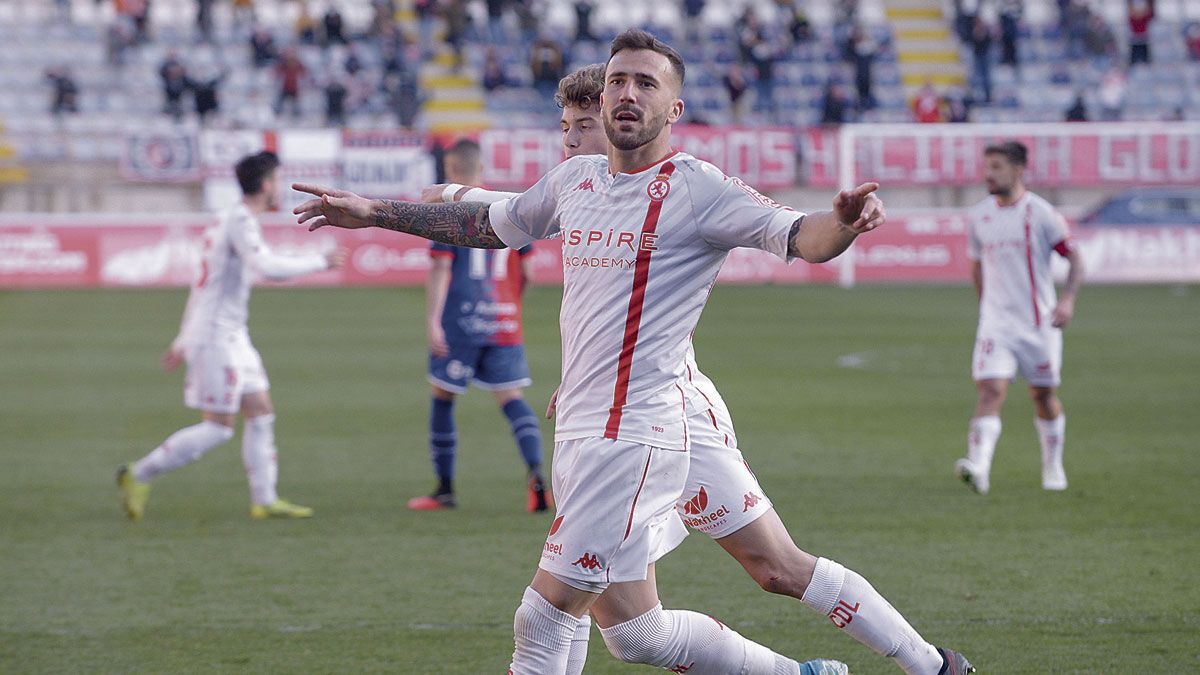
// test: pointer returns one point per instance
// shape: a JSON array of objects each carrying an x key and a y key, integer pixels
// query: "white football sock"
[
  {"x": 579, "y": 646},
  {"x": 543, "y": 637},
  {"x": 854, "y": 606},
  {"x": 681, "y": 640},
  {"x": 259, "y": 457},
  {"x": 1051, "y": 434},
  {"x": 182, "y": 448},
  {"x": 981, "y": 441}
]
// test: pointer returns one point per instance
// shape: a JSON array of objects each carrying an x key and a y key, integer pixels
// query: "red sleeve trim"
[
  {"x": 1063, "y": 248},
  {"x": 438, "y": 253},
  {"x": 462, "y": 192}
]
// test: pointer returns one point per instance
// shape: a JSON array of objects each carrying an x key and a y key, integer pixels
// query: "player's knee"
[{"x": 641, "y": 640}]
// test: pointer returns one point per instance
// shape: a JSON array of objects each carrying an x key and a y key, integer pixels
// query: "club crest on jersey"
[{"x": 660, "y": 187}]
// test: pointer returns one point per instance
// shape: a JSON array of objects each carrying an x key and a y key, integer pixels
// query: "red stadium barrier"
[{"x": 95, "y": 251}]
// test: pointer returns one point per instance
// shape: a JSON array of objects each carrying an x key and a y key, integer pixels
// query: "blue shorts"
[{"x": 487, "y": 367}]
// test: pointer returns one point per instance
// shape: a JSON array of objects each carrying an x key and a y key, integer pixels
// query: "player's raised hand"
[
  {"x": 860, "y": 209},
  {"x": 171, "y": 359},
  {"x": 339, "y": 208},
  {"x": 433, "y": 193}
]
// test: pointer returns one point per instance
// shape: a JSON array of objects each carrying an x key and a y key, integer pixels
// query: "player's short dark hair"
[
  {"x": 465, "y": 154},
  {"x": 251, "y": 170},
  {"x": 582, "y": 88},
  {"x": 1014, "y": 151},
  {"x": 636, "y": 38}
]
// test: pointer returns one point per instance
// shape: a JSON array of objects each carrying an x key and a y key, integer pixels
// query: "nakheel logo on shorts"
[
  {"x": 588, "y": 562},
  {"x": 555, "y": 525},
  {"x": 695, "y": 509}
]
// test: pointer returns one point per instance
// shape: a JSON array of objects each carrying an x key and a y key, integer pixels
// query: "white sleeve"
[
  {"x": 1054, "y": 227},
  {"x": 533, "y": 214},
  {"x": 974, "y": 250},
  {"x": 246, "y": 237},
  {"x": 730, "y": 214}
]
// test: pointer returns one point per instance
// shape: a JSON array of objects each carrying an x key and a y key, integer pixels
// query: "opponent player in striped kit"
[
  {"x": 225, "y": 374},
  {"x": 645, "y": 232},
  {"x": 1012, "y": 236}
]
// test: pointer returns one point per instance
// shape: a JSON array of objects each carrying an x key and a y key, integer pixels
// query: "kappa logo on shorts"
[
  {"x": 1043, "y": 367},
  {"x": 588, "y": 562},
  {"x": 696, "y": 505},
  {"x": 680, "y": 668},
  {"x": 752, "y": 500}
]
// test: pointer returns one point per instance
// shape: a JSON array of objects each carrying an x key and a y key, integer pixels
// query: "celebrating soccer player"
[
  {"x": 645, "y": 231},
  {"x": 1012, "y": 237},
  {"x": 225, "y": 374}
]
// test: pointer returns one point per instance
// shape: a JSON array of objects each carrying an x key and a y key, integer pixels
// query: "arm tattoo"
[
  {"x": 793, "y": 249},
  {"x": 458, "y": 223}
]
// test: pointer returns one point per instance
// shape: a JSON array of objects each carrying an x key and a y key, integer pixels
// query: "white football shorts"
[
  {"x": 615, "y": 509},
  {"x": 1034, "y": 353},
  {"x": 721, "y": 494},
  {"x": 220, "y": 372}
]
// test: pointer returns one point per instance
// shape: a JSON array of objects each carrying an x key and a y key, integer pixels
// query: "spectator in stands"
[
  {"x": 583, "y": 21},
  {"x": 262, "y": 47},
  {"x": 139, "y": 12},
  {"x": 243, "y": 12},
  {"x": 1010, "y": 19},
  {"x": 65, "y": 98},
  {"x": 353, "y": 62},
  {"x": 1141, "y": 13},
  {"x": 927, "y": 105},
  {"x": 1099, "y": 40},
  {"x": 692, "y": 9},
  {"x": 798, "y": 26},
  {"x": 495, "y": 21},
  {"x": 965, "y": 14},
  {"x": 958, "y": 105},
  {"x": 306, "y": 25},
  {"x": 455, "y": 14},
  {"x": 205, "y": 95},
  {"x": 756, "y": 50},
  {"x": 860, "y": 50},
  {"x": 290, "y": 72},
  {"x": 335, "y": 101},
  {"x": 204, "y": 20},
  {"x": 1076, "y": 18},
  {"x": 546, "y": 66},
  {"x": 736, "y": 86},
  {"x": 383, "y": 17},
  {"x": 118, "y": 40},
  {"x": 175, "y": 84},
  {"x": 404, "y": 97},
  {"x": 1192, "y": 38},
  {"x": 834, "y": 105},
  {"x": 493, "y": 71},
  {"x": 1112, "y": 94},
  {"x": 1078, "y": 110},
  {"x": 981, "y": 52},
  {"x": 334, "y": 27}
]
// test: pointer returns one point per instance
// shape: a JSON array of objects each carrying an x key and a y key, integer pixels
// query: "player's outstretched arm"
[
  {"x": 824, "y": 235},
  {"x": 459, "y": 224}
]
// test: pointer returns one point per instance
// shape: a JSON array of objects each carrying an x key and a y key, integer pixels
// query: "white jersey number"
[{"x": 478, "y": 263}]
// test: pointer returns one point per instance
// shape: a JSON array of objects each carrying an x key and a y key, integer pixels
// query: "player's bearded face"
[
  {"x": 1000, "y": 175},
  {"x": 639, "y": 99}
]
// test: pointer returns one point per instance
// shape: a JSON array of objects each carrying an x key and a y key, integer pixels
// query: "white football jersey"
[
  {"x": 233, "y": 256},
  {"x": 1014, "y": 246},
  {"x": 641, "y": 251}
]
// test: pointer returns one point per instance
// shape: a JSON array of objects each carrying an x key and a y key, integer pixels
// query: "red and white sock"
[
  {"x": 1050, "y": 434},
  {"x": 180, "y": 449},
  {"x": 259, "y": 458},
  {"x": 855, "y": 607},
  {"x": 543, "y": 635}
]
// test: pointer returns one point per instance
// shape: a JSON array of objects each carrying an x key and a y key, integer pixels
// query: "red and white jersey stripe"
[
  {"x": 641, "y": 251},
  {"x": 1014, "y": 245}
]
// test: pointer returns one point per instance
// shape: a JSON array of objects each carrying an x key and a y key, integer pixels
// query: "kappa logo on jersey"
[
  {"x": 555, "y": 525},
  {"x": 752, "y": 500},
  {"x": 585, "y": 184},
  {"x": 696, "y": 505},
  {"x": 758, "y": 196},
  {"x": 588, "y": 562},
  {"x": 680, "y": 668}
]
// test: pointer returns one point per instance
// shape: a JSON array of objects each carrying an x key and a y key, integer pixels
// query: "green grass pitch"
[{"x": 851, "y": 406}]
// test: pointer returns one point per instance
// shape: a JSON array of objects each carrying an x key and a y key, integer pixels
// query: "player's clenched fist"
[
  {"x": 339, "y": 208},
  {"x": 859, "y": 209}
]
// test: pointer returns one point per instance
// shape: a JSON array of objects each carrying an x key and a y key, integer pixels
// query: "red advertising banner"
[
  {"x": 91, "y": 251},
  {"x": 514, "y": 159},
  {"x": 1078, "y": 155}
]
